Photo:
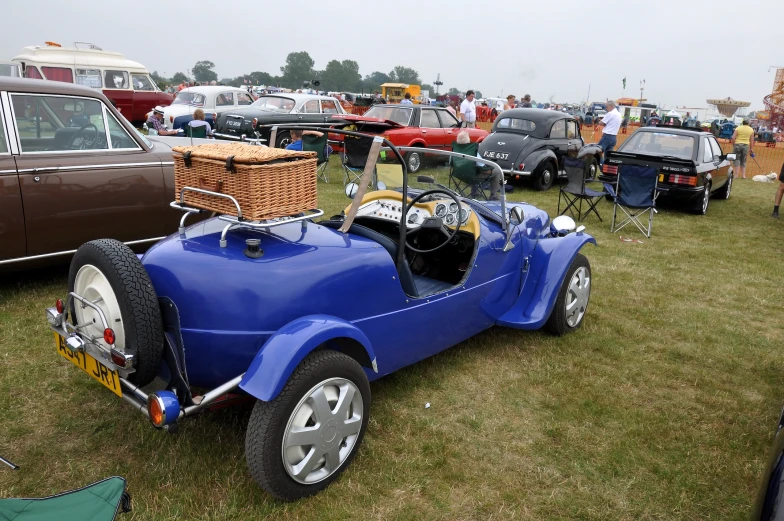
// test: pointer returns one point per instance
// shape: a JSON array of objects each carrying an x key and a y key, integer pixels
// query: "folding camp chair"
[
  {"x": 355, "y": 155},
  {"x": 464, "y": 174},
  {"x": 575, "y": 191},
  {"x": 636, "y": 196},
  {"x": 317, "y": 144},
  {"x": 196, "y": 132}
]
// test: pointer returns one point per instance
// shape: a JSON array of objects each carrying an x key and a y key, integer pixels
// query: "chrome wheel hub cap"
[
  {"x": 577, "y": 296},
  {"x": 322, "y": 431},
  {"x": 729, "y": 187},
  {"x": 705, "y": 199},
  {"x": 546, "y": 177},
  {"x": 91, "y": 284},
  {"x": 413, "y": 162}
]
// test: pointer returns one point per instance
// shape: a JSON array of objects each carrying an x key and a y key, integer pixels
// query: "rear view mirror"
[
  {"x": 74, "y": 107},
  {"x": 731, "y": 157},
  {"x": 351, "y": 190},
  {"x": 516, "y": 215}
]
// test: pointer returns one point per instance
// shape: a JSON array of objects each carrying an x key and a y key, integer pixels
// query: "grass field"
[{"x": 661, "y": 407}]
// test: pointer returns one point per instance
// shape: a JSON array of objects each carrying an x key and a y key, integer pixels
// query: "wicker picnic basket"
[{"x": 267, "y": 182}]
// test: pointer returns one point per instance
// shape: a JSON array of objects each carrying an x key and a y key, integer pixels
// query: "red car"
[{"x": 413, "y": 126}]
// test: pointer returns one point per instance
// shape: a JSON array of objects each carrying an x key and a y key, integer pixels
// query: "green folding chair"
[
  {"x": 317, "y": 144},
  {"x": 465, "y": 176},
  {"x": 196, "y": 132}
]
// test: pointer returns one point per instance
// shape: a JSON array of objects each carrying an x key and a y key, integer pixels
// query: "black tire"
[
  {"x": 269, "y": 421},
  {"x": 559, "y": 322},
  {"x": 701, "y": 204},
  {"x": 140, "y": 313},
  {"x": 592, "y": 168},
  {"x": 283, "y": 139},
  {"x": 544, "y": 176},
  {"x": 725, "y": 191},
  {"x": 414, "y": 161}
]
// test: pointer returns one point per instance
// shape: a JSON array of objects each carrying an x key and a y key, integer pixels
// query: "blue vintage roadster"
[{"x": 301, "y": 315}]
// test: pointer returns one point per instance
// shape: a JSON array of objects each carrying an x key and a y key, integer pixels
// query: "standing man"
[
  {"x": 609, "y": 125},
  {"x": 526, "y": 104},
  {"x": 407, "y": 99},
  {"x": 743, "y": 145},
  {"x": 468, "y": 110},
  {"x": 779, "y": 194}
]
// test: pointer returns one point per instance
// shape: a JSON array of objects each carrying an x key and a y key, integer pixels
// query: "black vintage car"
[
  {"x": 691, "y": 165},
  {"x": 253, "y": 121},
  {"x": 769, "y": 505},
  {"x": 531, "y": 143}
]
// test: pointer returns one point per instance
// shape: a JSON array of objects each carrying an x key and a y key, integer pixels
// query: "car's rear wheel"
[
  {"x": 283, "y": 140},
  {"x": 544, "y": 175},
  {"x": 701, "y": 205},
  {"x": 573, "y": 297},
  {"x": 592, "y": 170},
  {"x": 414, "y": 161},
  {"x": 300, "y": 442},
  {"x": 725, "y": 191},
  {"x": 109, "y": 274}
]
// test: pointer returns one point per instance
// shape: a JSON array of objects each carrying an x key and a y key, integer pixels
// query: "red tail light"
[
  {"x": 522, "y": 166},
  {"x": 118, "y": 359},
  {"x": 59, "y": 305},
  {"x": 609, "y": 169},
  {"x": 108, "y": 336},
  {"x": 683, "y": 179}
]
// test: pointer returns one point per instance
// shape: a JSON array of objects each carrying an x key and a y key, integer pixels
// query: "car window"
[
  {"x": 275, "y": 104},
  {"x": 397, "y": 114},
  {"x": 115, "y": 79},
  {"x": 715, "y": 147},
  {"x": 447, "y": 119},
  {"x": 310, "y": 107},
  {"x": 58, "y": 74},
  {"x": 659, "y": 144},
  {"x": 707, "y": 154},
  {"x": 429, "y": 119},
  {"x": 329, "y": 106},
  {"x": 243, "y": 98},
  {"x": 141, "y": 82},
  {"x": 58, "y": 123},
  {"x": 89, "y": 78},
  {"x": 524, "y": 125},
  {"x": 189, "y": 98},
  {"x": 224, "y": 99},
  {"x": 118, "y": 137},
  {"x": 32, "y": 72},
  {"x": 558, "y": 130},
  {"x": 571, "y": 130}
]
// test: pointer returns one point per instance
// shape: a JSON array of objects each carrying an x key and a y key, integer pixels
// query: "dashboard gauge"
[
  {"x": 452, "y": 207},
  {"x": 450, "y": 219},
  {"x": 413, "y": 218},
  {"x": 440, "y": 210},
  {"x": 463, "y": 216}
]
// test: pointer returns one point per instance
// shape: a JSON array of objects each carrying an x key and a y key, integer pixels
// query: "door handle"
[{"x": 424, "y": 131}]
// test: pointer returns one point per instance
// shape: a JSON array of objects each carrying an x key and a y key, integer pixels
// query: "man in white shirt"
[
  {"x": 468, "y": 110},
  {"x": 609, "y": 124}
]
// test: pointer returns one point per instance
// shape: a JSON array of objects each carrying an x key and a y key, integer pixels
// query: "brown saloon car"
[{"x": 73, "y": 169}]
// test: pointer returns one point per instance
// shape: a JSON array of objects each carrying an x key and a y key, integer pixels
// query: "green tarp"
[{"x": 100, "y": 501}]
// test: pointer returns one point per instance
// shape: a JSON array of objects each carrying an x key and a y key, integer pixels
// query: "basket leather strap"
[
  {"x": 217, "y": 187},
  {"x": 370, "y": 166},
  {"x": 230, "y": 164},
  {"x": 186, "y": 157}
]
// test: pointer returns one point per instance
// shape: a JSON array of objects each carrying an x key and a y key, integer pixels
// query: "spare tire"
[{"x": 110, "y": 274}]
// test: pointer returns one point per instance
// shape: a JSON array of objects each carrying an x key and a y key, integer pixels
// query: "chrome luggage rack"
[{"x": 236, "y": 221}]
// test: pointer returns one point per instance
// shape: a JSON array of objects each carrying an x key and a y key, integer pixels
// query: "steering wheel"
[
  {"x": 86, "y": 143},
  {"x": 434, "y": 222}
]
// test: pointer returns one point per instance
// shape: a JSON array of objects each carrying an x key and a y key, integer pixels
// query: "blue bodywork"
[{"x": 316, "y": 287}]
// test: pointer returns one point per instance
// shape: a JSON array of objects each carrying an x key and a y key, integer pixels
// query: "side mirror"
[
  {"x": 351, "y": 190},
  {"x": 381, "y": 185},
  {"x": 425, "y": 179},
  {"x": 564, "y": 224},
  {"x": 731, "y": 157},
  {"x": 516, "y": 215}
]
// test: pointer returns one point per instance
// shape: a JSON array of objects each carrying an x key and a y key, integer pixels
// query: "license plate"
[
  {"x": 234, "y": 123},
  {"x": 108, "y": 378},
  {"x": 489, "y": 154}
]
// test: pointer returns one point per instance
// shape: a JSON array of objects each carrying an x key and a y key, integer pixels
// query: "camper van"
[{"x": 125, "y": 82}]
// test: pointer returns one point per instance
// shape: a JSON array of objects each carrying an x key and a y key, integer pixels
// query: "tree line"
[{"x": 299, "y": 72}]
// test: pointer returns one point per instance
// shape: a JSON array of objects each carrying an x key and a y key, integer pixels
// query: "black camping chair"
[
  {"x": 636, "y": 196},
  {"x": 465, "y": 175},
  {"x": 355, "y": 155},
  {"x": 575, "y": 192},
  {"x": 318, "y": 144}
]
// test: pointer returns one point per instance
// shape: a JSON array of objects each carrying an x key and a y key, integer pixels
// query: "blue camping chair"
[
  {"x": 575, "y": 192},
  {"x": 636, "y": 196}
]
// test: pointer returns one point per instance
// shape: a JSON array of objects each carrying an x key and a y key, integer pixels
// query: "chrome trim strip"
[
  {"x": 10, "y": 126},
  {"x": 69, "y": 252},
  {"x": 7, "y": 171},
  {"x": 226, "y": 136},
  {"x": 91, "y": 167}
]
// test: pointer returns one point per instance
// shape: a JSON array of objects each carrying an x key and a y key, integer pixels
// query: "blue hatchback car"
[{"x": 301, "y": 315}]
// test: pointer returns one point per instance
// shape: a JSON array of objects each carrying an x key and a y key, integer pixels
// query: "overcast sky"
[{"x": 686, "y": 50}]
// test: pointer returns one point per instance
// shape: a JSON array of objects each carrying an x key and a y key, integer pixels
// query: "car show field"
[{"x": 657, "y": 408}]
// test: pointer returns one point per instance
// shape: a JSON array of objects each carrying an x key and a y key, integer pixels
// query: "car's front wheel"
[
  {"x": 544, "y": 175},
  {"x": 725, "y": 191},
  {"x": 414, "y": 161},
  {"x": 592, "y": 168},
  {"x": 283, "y": 140},
  {"x": 298, "y": 443},
  {"x": 701, "y": 204},
  {"x": 573, "y": 297}
]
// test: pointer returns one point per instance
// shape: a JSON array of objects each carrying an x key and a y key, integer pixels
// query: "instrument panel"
[{"x": 387, "y": 205}]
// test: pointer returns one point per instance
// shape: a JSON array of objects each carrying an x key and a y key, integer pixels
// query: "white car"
[{"x": 210, "y": 99}]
